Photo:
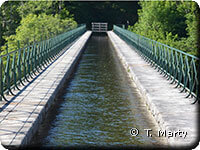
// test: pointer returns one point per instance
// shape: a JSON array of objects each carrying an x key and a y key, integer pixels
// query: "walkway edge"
[
  {"x": 29, "y": 108},
  {"x": 172, "y": 111}
]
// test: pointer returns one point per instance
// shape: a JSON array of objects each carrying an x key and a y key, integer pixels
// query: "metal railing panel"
[
  {"x": 174, "y": 64},
  {"x": 19, "y": 66}
]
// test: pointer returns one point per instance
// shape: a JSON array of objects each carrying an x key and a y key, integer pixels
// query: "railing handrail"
[
  {"x": 37, "y": 42},
  {"x": 19, "y": 65},
  {"x": 176, "y": 65},
  {"x": 162, "y": 44}
]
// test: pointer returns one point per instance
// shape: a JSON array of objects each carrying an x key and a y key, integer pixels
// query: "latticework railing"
[
  {"x": 22, "y": 64},
  {"x": 175, "y": 65}
]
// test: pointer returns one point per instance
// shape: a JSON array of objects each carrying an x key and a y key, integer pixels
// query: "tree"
[
  {"x": 12, "y": 12},
  {"x": 111, "y": 12},
  {"x": 9, "y": 19},
  {"x": 191, "y": 10},
  {"x": 38, "y": 20},
  {"x": 35, "y": 7},
  {"x": 158, "y": 18},
  {"x": 35, "y": 28},
  {"x": 169, "y": 22}
]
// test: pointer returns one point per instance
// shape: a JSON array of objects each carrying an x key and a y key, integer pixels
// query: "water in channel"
[{"x": 100, "y": 105}]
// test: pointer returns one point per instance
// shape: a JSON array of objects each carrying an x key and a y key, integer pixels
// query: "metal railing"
[
  {"x": 175, "y": 65},
  {"x": 16, "y": 67}
]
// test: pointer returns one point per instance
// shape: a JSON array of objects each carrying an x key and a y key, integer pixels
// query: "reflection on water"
[{"x": 100, "y": 105}]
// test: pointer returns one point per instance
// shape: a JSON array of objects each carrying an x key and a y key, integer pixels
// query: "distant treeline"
[
  {"x": 171, "y": 22},
  {"x": 30, "y": 21},
  {"x": 25, "y": 22},
  {"x": 175, "y": 23}
]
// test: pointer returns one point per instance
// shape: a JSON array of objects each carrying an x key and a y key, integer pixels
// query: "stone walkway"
[
  {"x": 171, "y": 110},
  {"x": 20, "y": 118}
]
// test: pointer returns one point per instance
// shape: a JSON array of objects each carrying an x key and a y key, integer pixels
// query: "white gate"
[{"x": 99, "y": 27}]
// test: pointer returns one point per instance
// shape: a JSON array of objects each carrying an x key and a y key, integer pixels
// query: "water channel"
[{"x": 99, "y": 105}]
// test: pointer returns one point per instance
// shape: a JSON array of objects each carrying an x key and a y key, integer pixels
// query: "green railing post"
[{"x": 7, "y": 71}]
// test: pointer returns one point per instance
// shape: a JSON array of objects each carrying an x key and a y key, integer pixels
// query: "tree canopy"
[
  {"x": 36, "y": 20},
  {"x": 9, "y": 19},
  {"x": 170, "y": 22},
  {"x": 29, "y": 21},
  {"x": 174, "y": 23},
  {"x": 111, "y": 12}
]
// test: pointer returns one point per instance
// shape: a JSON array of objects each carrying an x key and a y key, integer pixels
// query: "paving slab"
[
  {"x": 21, "y": 116},
  {"x": 169, "y": 107}
]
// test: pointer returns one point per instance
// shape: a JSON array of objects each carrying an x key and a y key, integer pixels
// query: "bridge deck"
[
  {"x": 20, "y": 118},
  {"x": 169, "y": 107}
]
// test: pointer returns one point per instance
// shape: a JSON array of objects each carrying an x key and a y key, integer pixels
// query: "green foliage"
[
  {"x": 34, "y": 7},
  {"x": 1, "y": 32},
  {"x": 9, "y": 19},
  {"x": 111, "y": 12},
  {"x": 192, "y": 26},
  {"x": 47, "y": 7},
  {"x": 12, "y": 13},
  {"x": 36, "y": 28},
  {"x": 39, "y": 21},
  {"x": 169, "y": 22}
]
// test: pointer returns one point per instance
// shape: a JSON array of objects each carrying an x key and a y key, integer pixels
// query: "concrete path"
[
  {"x": 171, "y": 110},
  {"x": 19, "y": 119}
]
